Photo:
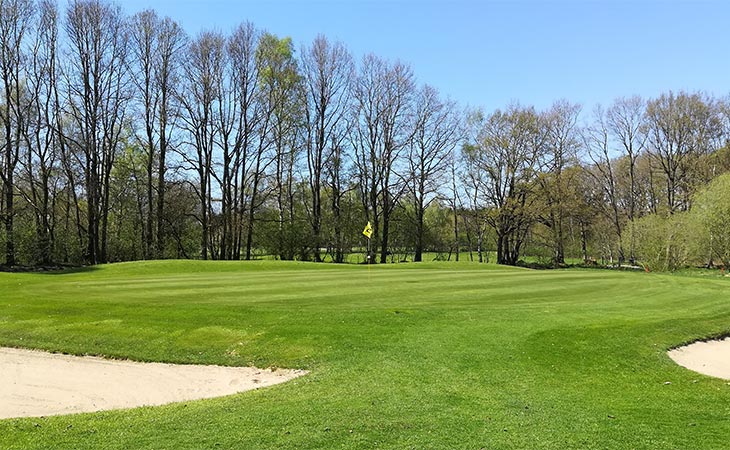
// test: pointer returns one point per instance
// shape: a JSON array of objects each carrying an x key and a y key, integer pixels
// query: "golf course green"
[{"x": 423, "y": 356}]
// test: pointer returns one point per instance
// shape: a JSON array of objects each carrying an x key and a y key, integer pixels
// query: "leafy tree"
[
  {"x": 712, "y": 208},
  {"x": 280, "y": 85}
]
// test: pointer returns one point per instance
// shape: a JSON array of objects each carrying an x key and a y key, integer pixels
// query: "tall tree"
[
  {"x": 472, "y": 181},
  {"x": 16, "y": 17},
  {"x": 455, "y": 201},
  {"x": 383, "y": 94},
  {"x": 171, "y": 40},
  {"x": 254, "y": 121},
  {"x": 508, "y": 147},
  {"x": 681, "y": 127},
  {"x": 436, "y": 132},
  {"x": 40, "y": 137},
  {"x": 561, "y": 144},
  {"x": 245, "y": 116},
  {"x": 227, "y": 106},
  {"x": 281, "y": 85},
  {"x": 626, "y": 124},
  {"x": 204, "y": 73},
  {"x": 98, "y": 92},
  {"x": 603, "y": 172},
  {"x": 327, "y": 70},
  {"x": 144, "y": 29},
  {"x": 155, "y": 46}
]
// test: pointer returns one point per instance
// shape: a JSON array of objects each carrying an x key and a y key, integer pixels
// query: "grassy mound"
[{"x": 432, "y": 355}]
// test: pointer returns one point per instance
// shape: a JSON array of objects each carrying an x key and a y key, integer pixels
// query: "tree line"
[{"x": 124, "y": 138}]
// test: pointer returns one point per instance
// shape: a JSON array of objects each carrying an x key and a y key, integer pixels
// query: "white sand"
[
  {"x": 709, "y": 358},
  {"x": 34, "y": 383}
]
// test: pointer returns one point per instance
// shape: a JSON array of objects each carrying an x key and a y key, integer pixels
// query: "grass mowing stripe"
[{"x": 431, "y": 355}]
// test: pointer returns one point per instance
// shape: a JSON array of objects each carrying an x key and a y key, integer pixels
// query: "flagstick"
[
  {"x": 368, "y": 260},
  {"x": 368, "y": 232}
]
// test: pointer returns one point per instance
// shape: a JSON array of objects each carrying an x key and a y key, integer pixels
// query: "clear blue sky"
[{"x": 489, "y": 53}]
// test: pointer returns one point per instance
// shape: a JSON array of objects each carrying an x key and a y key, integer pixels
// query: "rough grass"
[{"x": 431, "y": 355}]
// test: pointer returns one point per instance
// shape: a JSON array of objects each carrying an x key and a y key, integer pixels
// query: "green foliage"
[
  {"x": 288, "y": 242},
  {"x": 277, "y": 66},
  {"x": 431, "y": 355},
  {"x": 438, "y": 224},
  {"x": 668, "y": 243},
  {"x": 712, "y": 210},
  {"x": 125, "y": 220}
]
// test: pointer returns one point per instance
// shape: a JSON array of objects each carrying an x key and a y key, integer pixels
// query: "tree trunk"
[
  {"x": 252, "y": 208},
  {"x": 419, "y": 235},
  {"x": 204, "y": 216},
  {"x": 161, "y": 193},
  {"x": 456, "y": 234},
  {"x": 584, "y": 241},
  {"x": 386, "y": 228},
  {"x": 9, "y": 217},
  {"x": 150, "y": 205}
]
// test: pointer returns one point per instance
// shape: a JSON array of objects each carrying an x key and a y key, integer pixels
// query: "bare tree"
[
  {"x": 16, "y": 17},
  {"x": 155, "y": 46},
  {"x": 171, "y": 40},
  {"x": 562, "y": 145},
  {"x": 508, "y": 147},
  {"x": 455, "y": 201},
  {"x": 143, "y": 34},
  {"x": 41, "y": 140},
  {"x": 681, "y": 128},
  {"x": 238, "y": 125},
  {"x": 473, "y": 179},
  {"x": 436, "y": 132},
  {"x": 98, "y": 92},
  {"x": 598, "y": 145},
  {"x": 327, "y": 70},
  {"x": 383, "y": 93},
  {"x": 255, "y": 119},
  {"x": 227, "y": 105},
  {"x": 626, "y": 123},
  {"x": 340, "y": 187},
  {"x": 204, "y": 73}
]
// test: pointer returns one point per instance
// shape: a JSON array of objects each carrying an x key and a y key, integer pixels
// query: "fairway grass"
[{"x": 426, "y": 356}]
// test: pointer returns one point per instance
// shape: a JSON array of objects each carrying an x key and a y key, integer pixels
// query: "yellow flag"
[{"x": 368, "y": 231}]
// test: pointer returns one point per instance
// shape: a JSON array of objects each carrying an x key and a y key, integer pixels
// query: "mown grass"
[{"x": 431, "y": 355}]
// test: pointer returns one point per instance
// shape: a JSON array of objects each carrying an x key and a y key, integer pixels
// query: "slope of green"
[{"x": 432, "y": 355}]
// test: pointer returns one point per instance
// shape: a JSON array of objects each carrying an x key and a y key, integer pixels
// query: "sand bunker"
[
  {"x": 34, "y": 383},
  {"x": 709, "y": 358}
]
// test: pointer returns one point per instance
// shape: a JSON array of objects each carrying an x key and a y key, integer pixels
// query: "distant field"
[{"x": 430, "y": 355}]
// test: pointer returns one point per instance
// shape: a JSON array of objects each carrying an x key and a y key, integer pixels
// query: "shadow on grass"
[{"x": 59, "y": 269}]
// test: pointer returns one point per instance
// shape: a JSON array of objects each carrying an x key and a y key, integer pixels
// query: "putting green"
[{"x": 433, "y": 355}]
